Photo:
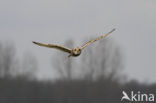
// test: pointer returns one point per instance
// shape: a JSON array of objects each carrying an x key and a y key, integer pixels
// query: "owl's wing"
[
  {"x": 64, "y": 49},
  {"x": 98, "y": 38}
]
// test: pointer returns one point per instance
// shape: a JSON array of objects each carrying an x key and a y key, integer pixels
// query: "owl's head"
[{"x": 76, "y": 51}]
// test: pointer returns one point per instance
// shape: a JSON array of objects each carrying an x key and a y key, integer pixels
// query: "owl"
[{"x": 75, "y": 51}]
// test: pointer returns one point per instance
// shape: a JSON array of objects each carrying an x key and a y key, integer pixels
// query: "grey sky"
[{"x": 53, "y": 21}]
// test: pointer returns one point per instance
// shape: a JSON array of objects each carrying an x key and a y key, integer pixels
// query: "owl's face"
[{"x": 76, "y": 51}]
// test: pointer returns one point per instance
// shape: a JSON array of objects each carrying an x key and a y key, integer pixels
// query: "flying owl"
[{"x": 75, "y": 51}]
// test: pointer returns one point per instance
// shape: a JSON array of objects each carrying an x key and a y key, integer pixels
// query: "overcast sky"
[{"x": 54, "y": 21}]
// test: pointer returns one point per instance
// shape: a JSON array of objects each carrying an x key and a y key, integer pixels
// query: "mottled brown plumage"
[{"x": 75, "y": 51}]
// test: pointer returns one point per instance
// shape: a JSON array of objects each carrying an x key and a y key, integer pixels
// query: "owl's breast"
[{"x": 76, "y": 54}]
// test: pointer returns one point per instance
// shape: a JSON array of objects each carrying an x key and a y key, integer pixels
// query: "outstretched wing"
[
  {"x": 64, "y": 49},
  {"x": 98, "y": 38}
]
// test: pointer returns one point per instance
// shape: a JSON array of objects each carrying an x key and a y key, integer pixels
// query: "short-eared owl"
[{"x": 75, "y": 51}]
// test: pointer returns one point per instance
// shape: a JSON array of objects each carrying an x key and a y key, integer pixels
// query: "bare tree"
[
  {"x": 12, "y": 66},
  {"x": 28, "y": 66},
  {"x": 101, "y": 60},
  {"x": 7, "y": 59},
  {"x": 63, "y": 64}
]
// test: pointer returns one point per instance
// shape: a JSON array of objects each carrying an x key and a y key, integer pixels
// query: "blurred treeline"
[{"x": 94, "y": 77}]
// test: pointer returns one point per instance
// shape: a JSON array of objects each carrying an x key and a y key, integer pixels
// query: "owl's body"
[{"x": 75, "y": 51}]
